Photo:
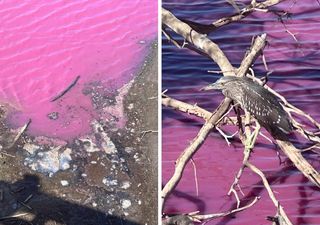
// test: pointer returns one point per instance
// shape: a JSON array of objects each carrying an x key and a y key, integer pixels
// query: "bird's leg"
[
  {"x": 239, "y": 119},
  {"x": 253, "y": 137},
  {"x": 248, "y": 142},
  {"x": 265, "y": 79}
]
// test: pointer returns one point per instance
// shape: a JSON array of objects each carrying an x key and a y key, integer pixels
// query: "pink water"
[
  {"x": 45, "y": 45},
  {"x": 296, "y": 76}
]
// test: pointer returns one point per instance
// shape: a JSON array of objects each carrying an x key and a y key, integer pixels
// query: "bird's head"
[{"x": 220, "y": 84}]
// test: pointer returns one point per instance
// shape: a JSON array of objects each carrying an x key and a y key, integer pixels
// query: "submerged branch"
[{"x": 66, "y": 90}]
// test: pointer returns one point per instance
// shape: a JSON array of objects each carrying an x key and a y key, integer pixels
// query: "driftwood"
[{"x": 217, "y": 118}]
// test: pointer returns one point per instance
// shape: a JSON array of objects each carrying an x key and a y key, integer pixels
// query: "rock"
[
  {"x": 53, "y": 116},
  {"x": 125, "y": 203},
  {"x": 50, "y": 161},
  {"x": 64, "y": 183}
]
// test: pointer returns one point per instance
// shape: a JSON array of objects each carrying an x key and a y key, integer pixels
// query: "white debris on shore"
[
  {"x": 110, "y": 182},
  {"x": 125, "y": 203},
  {"x": 104, "y": 143},
  {"x": 64, "y": 183},
  {"x": 47, "y": 161},
  {"x": 125, "y": 185}
]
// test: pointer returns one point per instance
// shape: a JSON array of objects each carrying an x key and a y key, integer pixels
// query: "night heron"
[{"x": 256, "y": 100}]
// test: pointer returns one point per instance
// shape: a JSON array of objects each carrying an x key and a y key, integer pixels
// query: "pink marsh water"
[
  {"x": 45, "y": 45},
  {"x": 296, "y": 76}
]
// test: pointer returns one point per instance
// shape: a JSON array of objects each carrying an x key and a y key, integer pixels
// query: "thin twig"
[
  {"x": 21, "y": 131},
  {"x": 265, "y": 182},
  {"x": 66, "y": 90},
  {"x": 143, "y": 133},
  {"x": 13, "y": 216},
  {"x": 217, "y": 215},
  {"x": 195, "y": 176},
  {"x": 225, "y": 136}
]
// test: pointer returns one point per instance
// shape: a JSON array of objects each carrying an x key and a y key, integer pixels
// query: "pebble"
[
  {"x": 125, "y": 203},
  {"x": 125, "y": 185},
  {"x": 53, "y": 116},
  {"x": 64, "y": 183},
  {"x": 109, "y": 182}
]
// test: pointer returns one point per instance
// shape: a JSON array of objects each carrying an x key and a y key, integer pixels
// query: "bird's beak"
[{"x": 209, "y": 87}]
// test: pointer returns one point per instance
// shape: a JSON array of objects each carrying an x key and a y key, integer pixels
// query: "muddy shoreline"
[{"x": 116, "y": 185}]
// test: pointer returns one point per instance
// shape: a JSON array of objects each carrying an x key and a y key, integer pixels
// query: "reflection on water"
[{"x": 295, "y": 75}]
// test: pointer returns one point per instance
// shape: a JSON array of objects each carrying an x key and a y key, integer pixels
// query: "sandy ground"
[{"x": 84, "y": 184}]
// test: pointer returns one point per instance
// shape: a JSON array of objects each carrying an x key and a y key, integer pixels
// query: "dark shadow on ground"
[{"x": 25, "y": 197}]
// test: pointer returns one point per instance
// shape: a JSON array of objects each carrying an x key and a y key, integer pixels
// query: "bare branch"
[
  {"x": 199, "y": 40},
  {"x": 217, "y": 215},
  {"x": 185, "y": 107},
  {"x": 245, "y": 12},
  {"x": 196, "y": 143},
  {"x": 282, "y": 215}
]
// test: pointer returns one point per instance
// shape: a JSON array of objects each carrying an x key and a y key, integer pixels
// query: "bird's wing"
[{"x": 265, "y": 107}]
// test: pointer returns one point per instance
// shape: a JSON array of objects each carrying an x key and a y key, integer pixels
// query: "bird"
[{"x": 255, "y": 99}]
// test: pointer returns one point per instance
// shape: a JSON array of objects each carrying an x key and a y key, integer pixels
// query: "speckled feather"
[{"x": 259, "y": 102}]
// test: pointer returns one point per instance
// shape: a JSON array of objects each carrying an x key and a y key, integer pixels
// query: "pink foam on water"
[{"x": 45, "y": 45}]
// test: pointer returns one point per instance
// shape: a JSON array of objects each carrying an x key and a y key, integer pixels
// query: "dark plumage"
[{"x": 256, "y": 100}]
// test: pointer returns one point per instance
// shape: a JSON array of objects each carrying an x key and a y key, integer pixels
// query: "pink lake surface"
[
  {"x": 296, "y": 76},
  {"x": 45, "y": 45}
]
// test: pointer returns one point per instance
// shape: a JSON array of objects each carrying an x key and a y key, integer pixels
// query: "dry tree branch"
[
  {"x": 255, "y": 50},
  {"x": 13, "y": 216},
  {"x": 195, "y": 176},
  {"x": 212, "y": 50},
  {"x": 185, "y": 107},
  {"x": 196, "y": 217},
  {"x": 298, "y": 160},
  {"x": 196, "y": 143},
  {"x": 247, "y": 152},
  {"x": 282, "y": 215},
  {"x": 199, "y": 40},
  {"x": 171, "y": 39},
  {"x": 246, "y": 11},
  {"x": 20, "y": 132},
  {"x": 248, "y": 147},
  {"x": 286, "y": 146},
  {"x": 216, "y": 215},
  {"x": 250, "y": 140},
  {"x": 195, "y": 110}
]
